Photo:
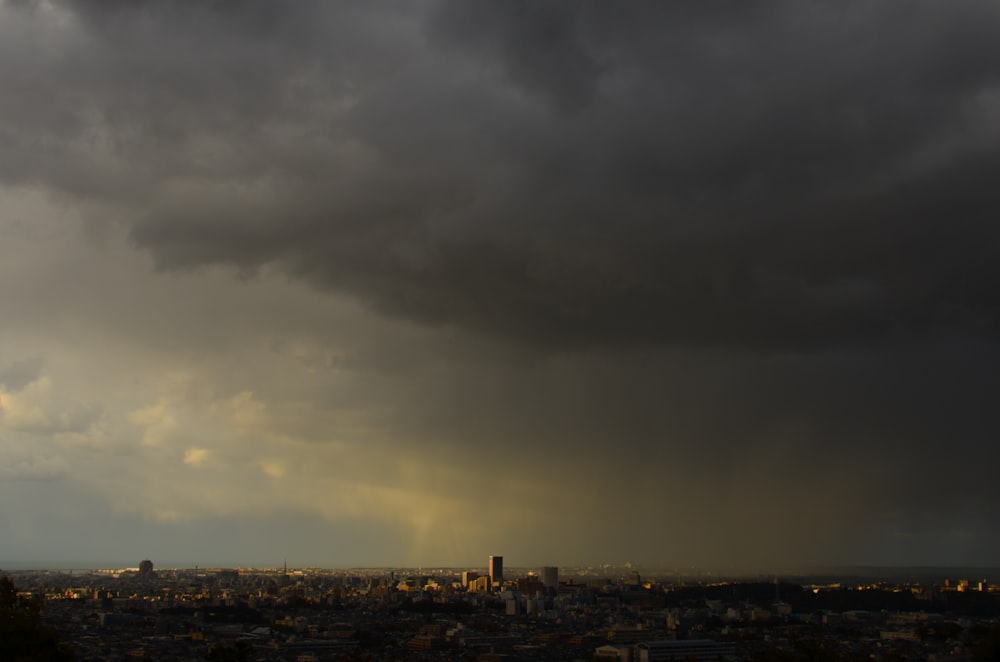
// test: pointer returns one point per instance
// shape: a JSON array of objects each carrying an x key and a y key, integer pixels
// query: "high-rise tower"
[
  {"x": 496, "y": 570},
  {"x": 550, "y": 577}
]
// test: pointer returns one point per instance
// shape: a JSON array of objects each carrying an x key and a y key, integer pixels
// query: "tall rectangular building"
[
  {"x": 550, "y": 577},
  {"x": 496, "y": 570}
]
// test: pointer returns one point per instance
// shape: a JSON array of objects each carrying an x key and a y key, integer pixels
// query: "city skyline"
[
  {"x": 393, "y": 284},
  {"x": 386, "y": 615}
]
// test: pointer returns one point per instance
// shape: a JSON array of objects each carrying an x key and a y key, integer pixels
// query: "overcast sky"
[{"x": 417, "y": 282}]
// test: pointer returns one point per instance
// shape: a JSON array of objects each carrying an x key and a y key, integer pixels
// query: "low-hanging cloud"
[{"x": 787, "y": 175}]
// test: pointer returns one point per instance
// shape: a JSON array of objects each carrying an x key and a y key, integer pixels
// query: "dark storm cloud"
[
  {"x": 753, "y": 240},
  {"x": 762, "y": 174},
  {"x": 538, "y": 45}
]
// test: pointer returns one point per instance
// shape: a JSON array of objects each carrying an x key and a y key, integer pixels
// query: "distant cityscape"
[{"x": 502, "y": 612}]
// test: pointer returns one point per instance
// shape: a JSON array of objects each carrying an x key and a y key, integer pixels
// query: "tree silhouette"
[{"x": 23, "y": 637}]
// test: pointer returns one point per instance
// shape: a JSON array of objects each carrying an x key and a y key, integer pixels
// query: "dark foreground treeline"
[{"x": 23, "y": 637}]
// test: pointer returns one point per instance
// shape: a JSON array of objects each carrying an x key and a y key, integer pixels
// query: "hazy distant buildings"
[
  {"x": 550, "y": 577},
  {"x": 468, "y": 576},
  {"x": 496, "y": 570},
  {"x": 145, "y": 568}
]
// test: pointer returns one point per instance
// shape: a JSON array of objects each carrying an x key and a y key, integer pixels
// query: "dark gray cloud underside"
[
  {"x": 733, "y": 193},
  {"x": 777, "y": 175}
]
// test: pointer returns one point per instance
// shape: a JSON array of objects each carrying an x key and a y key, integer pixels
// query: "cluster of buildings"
[{"x": 544, "y": 614}]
